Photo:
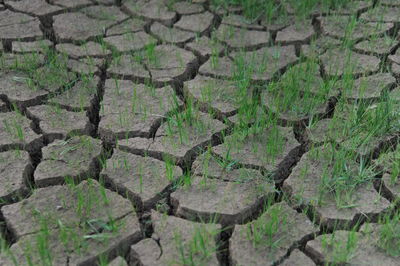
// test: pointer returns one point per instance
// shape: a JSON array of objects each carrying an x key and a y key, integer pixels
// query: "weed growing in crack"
[
  {"x": 390, "y": 162},
  {"x": 389, "y": 235},
  {"x": 199, "y": 249},
  {"x": 341, "y": 175},
  {"x": 341, "y": 248},
  {"x": 300, "y": 91},
  {"x": 267, "y": 230},
  {"x": 184, "y": 123}
]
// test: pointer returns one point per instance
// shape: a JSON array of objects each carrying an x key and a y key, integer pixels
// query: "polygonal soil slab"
[
  {"x": 254, "y": 244},
  {"x": 210, "y": 166},
  {"x": 390, "y": 182},
  {"x": 214, "y": 199},
  {"x": 319, "y": 46},
  {"x": 198, "y": 23},
  {"x": 171, "y": 35},
  {"x": 88, "y": 49},
  {"x": 15, "y": 170},
  {"x": 34, "y": 7},
  {"x": 70, "y": 3},
  {"x": 271, "y": 149},
  {"x": 395, "y": 58},
  {"x": 77, "y": 27},
  {"x": 369, "y": 87},
  {"x": 151, "y": 9},
  {"x": 361, "y": 135},
  {"x": 81, "y": 97},
  {"x": 86, "y": 66},
  {"x": 300, "y": 32},
  {"x": 297, "y": 258},
  {"x": 241, "y": 22},
  {"x": 377, "y": 46},
  {"x": 130, "y": 25},
  {"x": 218, "y": 67},
  {"x": 112, "y": 14},
  {"x": 75, "y": 223},
  {"x": 312, "y": 183},
  {"x": 128, "y": 67},
  {"x": 22, "y": 62},
  {"x": 62, "y": 203},
  {"x": 76, "y": 158},
  {"x": 382, "y": 14},
  {"x": 17, "y": 88},
  {"x": 223, "y": 10},
  {"x": 168, "y": 63},
  {"x": 353, "y": 7},
  {"x": 187, "y": 8},
  {"x": 300, "y": 94},
  {"x": 55, "y": 122},
  {"x": 118, "y": 261},
  {"x": 350, "y": 248},
  {"x": 389, "y": 2},
  {"x": 263, "y": 64},
  {"x": 338, "y": 62},
  {"x": 176, "y": 237},
  {"x": 242, "y": 38},
  {"x": 220, "y": 95},
  {"x": 266, "y": 62},
  {"x": 30, "y": 75},
  {"x": 204, "y": 47},
  {"x": 277, "y": 23},
  {"x": 179, "y": 139},
  {"x": 345, "y": 28},
  {"x": 143, "y": 180},
  {"x": 18, "y": 26},
  {"x": 54, "y": 77},
  {"x": 314, "y": 9},
  {"x": 131, "y": 41},
  {"x": 15, "y": 131},
  {"x": 31, "y": 47},
  {"x": 131, "y": 110}
]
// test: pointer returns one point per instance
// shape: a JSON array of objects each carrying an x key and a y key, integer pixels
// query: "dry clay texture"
[{"x": 171, "y": 132}]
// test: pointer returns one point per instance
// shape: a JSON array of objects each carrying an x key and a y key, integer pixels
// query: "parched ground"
[{"x": 167, "y": 132}]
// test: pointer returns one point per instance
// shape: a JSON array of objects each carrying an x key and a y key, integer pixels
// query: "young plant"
[
  {"x": 199, "y": 249},
  {"x": 266, "y": 230},
  {"x": 389, "y": 235},
  {"x": 340, "y": 246}
]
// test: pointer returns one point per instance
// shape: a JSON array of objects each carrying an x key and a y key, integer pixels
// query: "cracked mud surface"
[{"x": 171, "y": 132}]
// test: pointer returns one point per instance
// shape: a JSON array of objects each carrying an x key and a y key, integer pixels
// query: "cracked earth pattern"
[{"x": 93, "y": 172}]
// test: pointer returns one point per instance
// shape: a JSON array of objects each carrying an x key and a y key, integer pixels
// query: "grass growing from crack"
[
  {"x": 341, "y": 175},
  {"x": 58, "y": 238},
  {"x": 360, "y": 125},
  {"x": 389, "y": 235},
  {"x": 273, "y": 11},
  {"x": 267, "y": 230},
  {"x": 186, "y": 123},
  {"x": 199, "y": 249},
  {"x": 300, "y": 91},
  {"x": 14, "y": 127},
  {"x": 390, "y": 162},
  {"x": 340, "y": 247}
]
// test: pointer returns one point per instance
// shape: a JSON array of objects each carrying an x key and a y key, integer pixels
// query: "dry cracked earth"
[{"x": 111, "y": 153}]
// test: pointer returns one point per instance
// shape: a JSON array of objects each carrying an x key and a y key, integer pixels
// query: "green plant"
[
  {"x": 342, "y": 175},
  {"x": 267, "y": 230},
  {"x": 340, "y": 247},
  {"x": 389, "y": 235},
  {"x": 199, "y": 249}
]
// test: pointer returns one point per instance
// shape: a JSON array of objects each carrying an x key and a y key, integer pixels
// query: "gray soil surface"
[{"x": 174, "y": 132}]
